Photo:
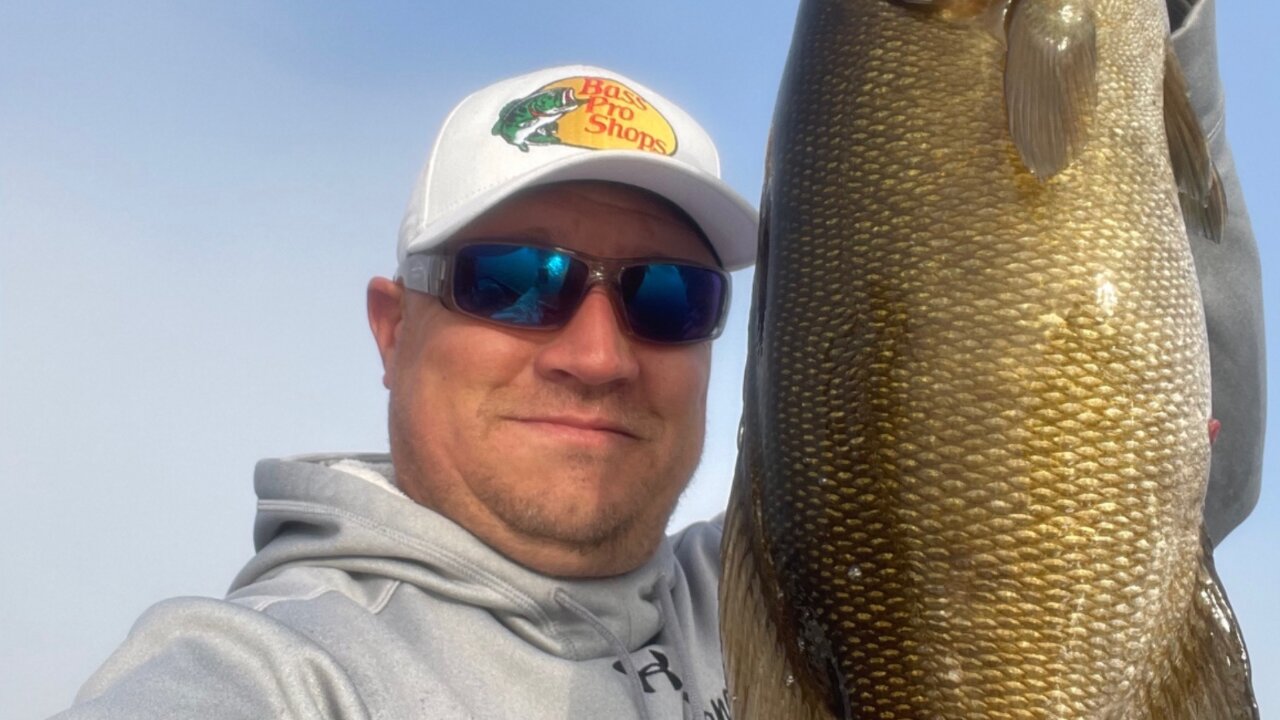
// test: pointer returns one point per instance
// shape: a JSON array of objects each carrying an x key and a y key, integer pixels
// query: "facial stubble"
[{"x": 629, "y": 526}]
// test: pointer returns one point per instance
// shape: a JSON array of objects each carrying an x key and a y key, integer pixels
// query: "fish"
[{"x": 973, "y": 452}]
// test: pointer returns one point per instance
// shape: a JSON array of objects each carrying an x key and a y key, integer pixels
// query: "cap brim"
[{"x": 726, "y": 219}]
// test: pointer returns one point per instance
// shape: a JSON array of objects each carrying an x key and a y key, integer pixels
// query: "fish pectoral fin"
[
  {"x": 1204, "y": 202},
  {"x": 762, "y": 683},
  {"x": 1050, "y": 81},
  {"x": 1209, "y": 676}
]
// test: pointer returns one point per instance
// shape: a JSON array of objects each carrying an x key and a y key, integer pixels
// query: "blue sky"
[{"x": 192, "y": 198}]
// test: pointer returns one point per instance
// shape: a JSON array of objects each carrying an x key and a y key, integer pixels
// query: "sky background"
[{"x": 192, "y": 199}]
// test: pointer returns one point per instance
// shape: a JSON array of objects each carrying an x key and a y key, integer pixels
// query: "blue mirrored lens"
[
  {"x": 518, "y": 285},
  {"x": 672, "y": 303}
]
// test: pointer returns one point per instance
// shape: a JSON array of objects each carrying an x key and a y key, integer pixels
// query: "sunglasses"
[{"x": 536, "y": 287}]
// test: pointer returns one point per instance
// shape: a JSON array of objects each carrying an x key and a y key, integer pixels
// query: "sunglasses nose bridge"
[
  {"x": 597, "y": 273},
  {"x": 604, "y": 275}
]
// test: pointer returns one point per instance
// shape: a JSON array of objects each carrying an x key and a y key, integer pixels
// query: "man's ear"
[{"x": 386, "y": 310}]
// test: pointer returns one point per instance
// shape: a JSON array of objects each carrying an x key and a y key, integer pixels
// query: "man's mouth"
[{"x": 582, "y": 427}]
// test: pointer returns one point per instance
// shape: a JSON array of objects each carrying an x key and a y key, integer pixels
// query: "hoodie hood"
[{"x": 344, "y": 512}]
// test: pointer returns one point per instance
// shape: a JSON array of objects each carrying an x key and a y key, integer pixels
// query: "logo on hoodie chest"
[{"x": 657, "y": 676}]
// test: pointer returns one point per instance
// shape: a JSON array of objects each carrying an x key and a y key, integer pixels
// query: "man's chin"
[{"x": 565, "y": 521}]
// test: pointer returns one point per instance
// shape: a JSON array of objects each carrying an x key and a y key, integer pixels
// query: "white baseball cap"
[{"x": 574, "y": 122}]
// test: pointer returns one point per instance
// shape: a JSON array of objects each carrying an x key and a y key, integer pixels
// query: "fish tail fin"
[
  {"x": 1209, "y": 676},
  {"x": 761, "y": 682}
]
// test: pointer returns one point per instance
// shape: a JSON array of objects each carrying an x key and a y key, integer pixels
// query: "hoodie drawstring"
[
  {"x": 670, "y": 625},
  {"x": 633, "y": 675},
  {"x": 674, "y": 632}
]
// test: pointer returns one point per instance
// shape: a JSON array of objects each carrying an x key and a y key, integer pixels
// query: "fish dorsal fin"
[
  {"x": 1204, "y": 202},
  {"x": 1050, "y": 81}
]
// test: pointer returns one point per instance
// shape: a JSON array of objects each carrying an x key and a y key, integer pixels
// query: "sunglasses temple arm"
[{"x": 424, "y": 273}]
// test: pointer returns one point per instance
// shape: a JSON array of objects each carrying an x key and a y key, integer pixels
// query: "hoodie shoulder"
[
  {"x": 697, "y": 550},
  {"x": 192, "y": 657}
]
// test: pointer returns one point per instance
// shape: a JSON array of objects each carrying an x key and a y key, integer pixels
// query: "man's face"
[{"x": 565, "y": 450}]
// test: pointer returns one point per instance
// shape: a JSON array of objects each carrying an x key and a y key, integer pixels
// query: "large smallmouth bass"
[{"x": 974, "y": 448}]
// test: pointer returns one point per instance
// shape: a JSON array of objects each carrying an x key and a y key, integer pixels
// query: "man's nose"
[{"x": 593, "y": 348}]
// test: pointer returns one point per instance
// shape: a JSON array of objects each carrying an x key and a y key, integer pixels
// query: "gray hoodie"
[{"x": 360, "y": 603}]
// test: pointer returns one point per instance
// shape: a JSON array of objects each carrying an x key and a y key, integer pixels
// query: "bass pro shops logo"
[{"x": 586, "y": 112}]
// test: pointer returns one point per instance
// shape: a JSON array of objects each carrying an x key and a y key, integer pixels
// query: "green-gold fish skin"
[{"x": 974, "y": 448}]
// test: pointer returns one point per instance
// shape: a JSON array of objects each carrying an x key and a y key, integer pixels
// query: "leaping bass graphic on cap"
[{"x": 587, "y": 112}]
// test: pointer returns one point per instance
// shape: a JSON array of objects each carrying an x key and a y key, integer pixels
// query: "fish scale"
[{"x": 974, "y": 450}]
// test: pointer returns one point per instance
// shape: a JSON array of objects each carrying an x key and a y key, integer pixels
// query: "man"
[
  {"x": 546, "y": 345},
  {"x": 546, "y": 349}
]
